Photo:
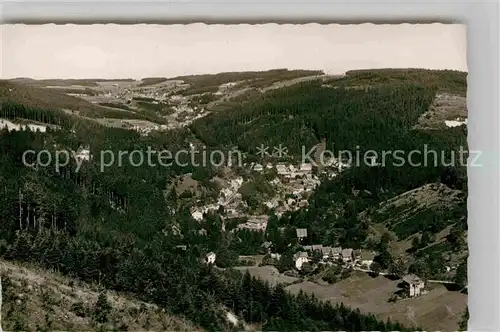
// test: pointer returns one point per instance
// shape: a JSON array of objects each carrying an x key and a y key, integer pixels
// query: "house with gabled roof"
[
  {"x": 326, "y": 251},
  {"x": 301, "y": 233},
  {"x": 347, "y": 255},
  {"x": 336, "y": 251},
  {"x": 414, "y": 285},
  {"x": 258, "y": 168},
  {"x": 365, "y": 257},
  {"x": 317, "y": 247}
]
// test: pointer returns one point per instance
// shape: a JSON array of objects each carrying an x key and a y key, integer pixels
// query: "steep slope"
[
  {"x": 430, "y": 207},
  {"x": 427, "y": 227},
  {"x": 34, "y": 299},
  {"x": 298, "y": 116}
]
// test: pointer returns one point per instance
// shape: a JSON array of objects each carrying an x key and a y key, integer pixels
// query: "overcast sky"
[{"x": 136, "y": 51}]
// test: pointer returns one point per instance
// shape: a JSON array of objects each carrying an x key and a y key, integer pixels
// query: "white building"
[
  {"x": 197, "y": 215},
  {"x": 282, "y": 169},
  {"x": 14, "y": 126},
  {"x": 415, "y": 285},
  {"x": 300, "y": 259},
  {"x": 83, "y": 154},
  {"x": 276, "y": 256},
  {"x": 305, "y": 168},
  {"x": 258, "y": 168},
  {"x": 210, "y": 258}
]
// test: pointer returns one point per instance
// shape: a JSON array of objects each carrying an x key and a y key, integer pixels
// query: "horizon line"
[{"x": 225, "y": 72}]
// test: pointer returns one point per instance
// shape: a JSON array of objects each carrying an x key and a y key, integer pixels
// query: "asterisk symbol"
[
  {"x": 262, "y": 151},
  {"x": 280, "y": 151}
]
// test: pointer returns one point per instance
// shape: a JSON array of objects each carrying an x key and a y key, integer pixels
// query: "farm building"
[
  {"x": 414, "y": 284},
  {"x": 365, "y": 257}
]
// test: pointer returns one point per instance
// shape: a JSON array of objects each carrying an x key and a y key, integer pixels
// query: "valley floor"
[{"x": 439, "y": 309}]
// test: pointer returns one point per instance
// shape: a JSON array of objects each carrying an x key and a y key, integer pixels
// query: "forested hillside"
[
  {"x": 253, "y": 79},
  {"x": 450, "y": 81},
  {"x": 121, "y": 227},
  {"x": 113, "y": 227},
  {"x": 302, "y": 115},
  {"x": 47, "y": 99}
]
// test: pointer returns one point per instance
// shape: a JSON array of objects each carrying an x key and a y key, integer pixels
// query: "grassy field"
[
  {"x": 257, "y": 79},
  {"x": 440, "y": 309},
  {"x": 268, "y": 273}
]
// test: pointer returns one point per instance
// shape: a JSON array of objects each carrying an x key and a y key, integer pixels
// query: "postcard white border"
[{"x": 482, "y": 20}]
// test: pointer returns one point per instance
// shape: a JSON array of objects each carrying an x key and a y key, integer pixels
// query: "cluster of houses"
[
  {"x": 289, "y": 171},
  {"x": 143, "y": 127},
  {"x": 229, "y": 198},
  {"x": 414, "y": 286},
  {"x": 346, "y": 256},
  {"x": 292, "y": 196},
  {"x": 285, "y": 170}
]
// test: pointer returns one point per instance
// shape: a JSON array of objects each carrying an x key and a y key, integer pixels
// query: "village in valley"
[
  {"x": 317, "y": 263},
  {"x": 338, "y": 274},
  {"x": 245, "y": 177},
  {"x": 245, "y": 195}
]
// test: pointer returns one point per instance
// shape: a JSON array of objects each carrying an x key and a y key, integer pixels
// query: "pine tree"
[{"x": 102, "y": 308}]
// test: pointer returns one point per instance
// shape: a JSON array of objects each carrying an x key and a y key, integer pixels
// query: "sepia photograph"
[{"x": 208, "y": 177}]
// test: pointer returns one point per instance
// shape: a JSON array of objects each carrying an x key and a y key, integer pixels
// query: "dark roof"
[
  {"x": 301, "y": 232},
  {"x": 411, "y": 279},
  {"x": 366, "y": 255},
  {"x": 326, "y": 250},
  {"x": 317, "y": 247},
  {"x": 346, "y": 252},
  {"x": 336, "y": 250}
]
